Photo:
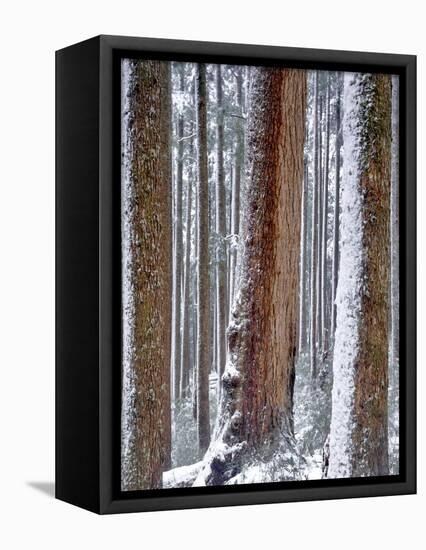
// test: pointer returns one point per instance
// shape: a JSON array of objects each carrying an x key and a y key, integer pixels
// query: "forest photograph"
[{"x": 259, "y": 274}]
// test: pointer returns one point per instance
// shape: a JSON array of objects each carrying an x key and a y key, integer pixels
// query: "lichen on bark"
[{"x": 146, "y": 274}]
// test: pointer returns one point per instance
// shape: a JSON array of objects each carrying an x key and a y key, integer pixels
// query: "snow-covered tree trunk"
[
  {"x": 203, "y": 291},
  {"x": 185, "y": 361},
  {"x": 178, "y": 246},
  {"x": 320, "y": 193},
  {"x": 196, "y": 279},
  {"x": 394, "y": 286},
  {"x": 394, "y": 348},
  {"x": 314, "y": 237},
  {"x": 324, "y": 233},
  {"x": 235, "y": 203},
  {"x": 358, "y": 436},
  {"x": 221, "y": 286},
  {"x": 303, "y": 313},
  {"x": 146, "y": 274},
  {"x": 336, "y": 216},
  {"x": 262, "y": 335}
]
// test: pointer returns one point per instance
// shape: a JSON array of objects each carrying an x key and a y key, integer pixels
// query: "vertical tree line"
[
  {"x": 320, "y": 222},
  {"x": 208, "y": 134}
]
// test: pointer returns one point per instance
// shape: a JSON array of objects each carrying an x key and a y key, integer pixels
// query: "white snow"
[
  {"x": 393, "y": 389},
  {"x": 301, "y": 458},
  {"x": 128, "y": 392},
  {"x": 181, "y": 477},
  {"x": 348, "y": 299}
]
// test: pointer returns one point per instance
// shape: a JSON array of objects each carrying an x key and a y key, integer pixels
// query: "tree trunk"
[
  {"x": 235, "y": 204},
  {"x": 320, "y": 193},
  {"x": 220, "y": 232},
  {"x": 314, "y": 239},
  {"x": 393, "y": 393},
  {"x": 195, "y": 287},
  {"x": 324, "y": 278},
  {"x": 147, "y": 280},
  {"x": 338, "y": 145},
  {"x": 179, "y": 248},
  {"x": 262, "y": 334},
  {"x": 203, "y": 337},
  {"x": 185, "y": 362},
  {"x": 394, "y": 347},
  {"x": 303, "y": 264},
  {"x": 359, "y": 438}
]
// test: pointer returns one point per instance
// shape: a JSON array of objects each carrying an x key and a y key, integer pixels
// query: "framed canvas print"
[{"x": 236, "y": 285}]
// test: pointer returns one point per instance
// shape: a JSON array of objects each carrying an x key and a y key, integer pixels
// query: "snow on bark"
[
  {"x": 348, "y": 298},
  {"x": 256, "y": 409},
  {"x": 393, "y": 393},
  {"x": 146, "y": 273},
  {"x": 184, "y": 476},
  {"x": 128, "y": 313}
]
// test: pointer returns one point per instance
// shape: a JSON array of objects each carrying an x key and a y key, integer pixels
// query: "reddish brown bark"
[
  {"x": 150, "y": 221},
  {"x": 262, "y": 336}
]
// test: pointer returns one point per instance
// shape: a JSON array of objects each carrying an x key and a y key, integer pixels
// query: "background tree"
[
  {"x": 178, "y": 252},
  {"x": 324, "y": 227},
  {"x": 236, "y": 182},
  {"x": 338, "y": 146},
  {"x": 314, "y": 237},
  {"x": 186, "y": 298},
  {"x": 203, "y": 338},
  {"x": 393, "y": 393},
  {"x": 221, "y": 287}
]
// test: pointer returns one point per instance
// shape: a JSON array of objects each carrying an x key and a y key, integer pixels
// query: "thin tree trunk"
[
  {"x": 314, "y": 239},
  {"x": 220, "y": 232},
  {"x": 394, "y": 348},
  {"x": 203, "y": 352},
  {"x": 179, "y": 248},
  {"x": 235, "y": 204},
  {"x": 196, "y": 278},
  {"x": 338, "y": 145},
  {"x": 303, "y": 265},
  {"x": 147, "y": 275},
  {"x": 319, "y": 184},
  {"x": 393, "y": 392},
  {"x": 185, "y": 362},
  {"x": 324, "y": 278}
]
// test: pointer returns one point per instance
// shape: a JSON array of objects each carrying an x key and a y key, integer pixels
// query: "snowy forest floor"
[{"x": 302, "y": 460}]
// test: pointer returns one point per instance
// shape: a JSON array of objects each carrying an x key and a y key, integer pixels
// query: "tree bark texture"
[
  {"x": 179, "y": 248},
  {"x": 314, "y": 238},
  {"x": 203, "y": 351},
  {"x": 338, "y": 147},
  {"x": 236, "y": 187},
  {"x": 147, "y": 314},
  {"x": 186, "y": 356},
  {"x": 262, "y": 335},
  {"x": 371, "y": 367},
  {"x": 359, "y": 424},
  {"x": 221, "y": 286}
]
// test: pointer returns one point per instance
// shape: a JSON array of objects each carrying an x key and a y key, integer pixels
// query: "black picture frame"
[{"x": 88, "y": 274}]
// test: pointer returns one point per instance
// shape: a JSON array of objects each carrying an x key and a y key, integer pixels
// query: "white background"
[{"x": 30, "y": 32}]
